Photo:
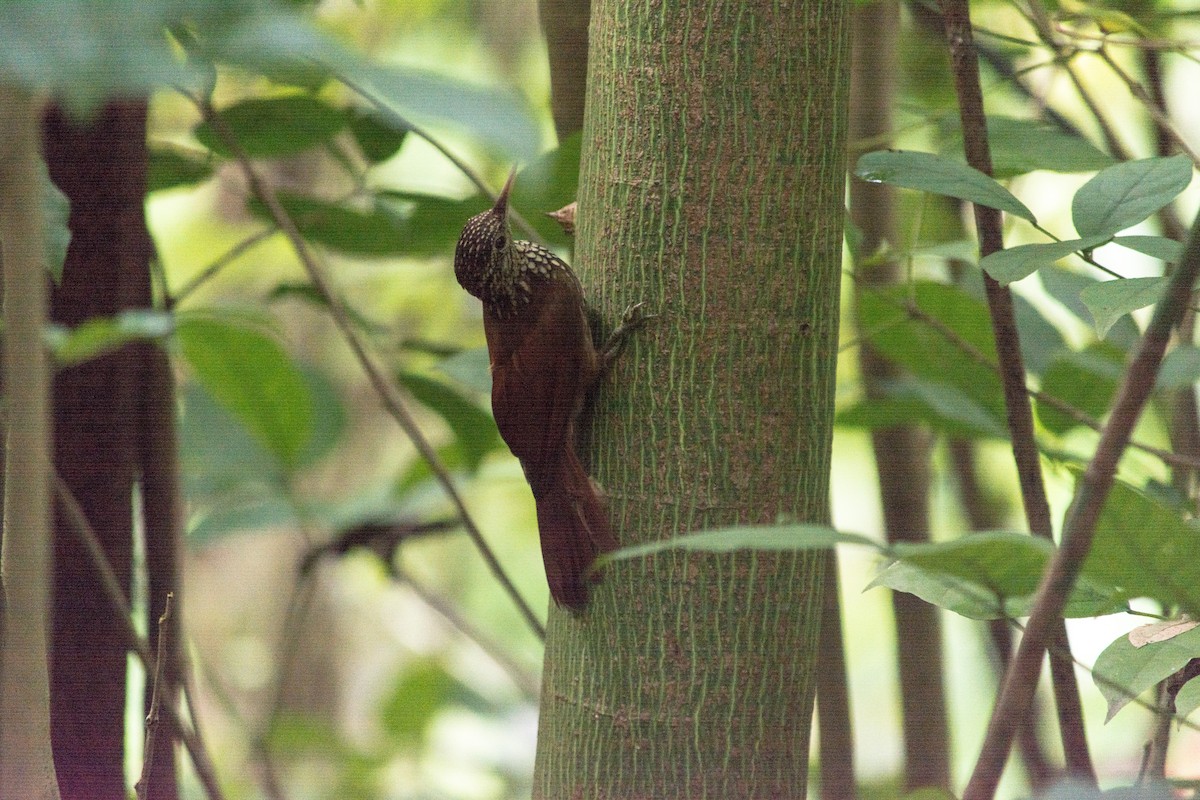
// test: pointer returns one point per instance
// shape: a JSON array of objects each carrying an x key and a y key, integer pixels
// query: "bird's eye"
[{"x": 501, "y": 242}]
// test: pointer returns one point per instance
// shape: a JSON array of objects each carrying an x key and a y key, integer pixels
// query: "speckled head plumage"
[{"x": 486, "y": 262}]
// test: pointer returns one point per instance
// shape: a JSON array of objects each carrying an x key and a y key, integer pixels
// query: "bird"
[{"x": 544, "y": 367}]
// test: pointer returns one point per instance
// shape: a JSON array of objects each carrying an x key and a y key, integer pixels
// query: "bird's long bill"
[{"x": 502, "y": 201}]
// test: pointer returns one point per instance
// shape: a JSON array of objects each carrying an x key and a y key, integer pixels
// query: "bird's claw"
[{"x": 633, "y": 319}]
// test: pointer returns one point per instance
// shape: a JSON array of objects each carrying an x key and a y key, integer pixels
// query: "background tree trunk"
[
  {"x": 100, "y": 166},
  {"x": 711, "y": 188},
  {"x": 901, "y": 452}
]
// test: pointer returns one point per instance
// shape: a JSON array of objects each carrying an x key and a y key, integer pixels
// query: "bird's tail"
[{"x": 574, "y": 529}]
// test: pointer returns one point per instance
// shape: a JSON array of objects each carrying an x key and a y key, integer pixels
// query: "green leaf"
[
  {"x": 1123, "y": 671},
  {"x": 397, "y": 224},
  {"x": 248, "y": 373},
  {"x": 471, "y": 368},
  {"x": 900, "y": 404},
  {"x": 1159, "y": 247},
  {"x": 965, "y": 598},
  {"x": 1004, "y": 563},
  {"x": 1180, "y": 367},
  {"x": 84, "y": 51},
  {"x": 473, "y": 427},
  {"x": 378, "y": 138},
  {"x": 952, "y": 406},
  {"x": 1145, "y": 549},
  {"x": 1015, "y": 263},
  {"x": 220, "y": 463},
  {"x": 939, "y": 175},
  {"x": 499, "y": 117},
  {"x": 328, "y": 415},
  {"x": 1064, "y": 285},
  {"x": 273, "y": 127},
  {"x": 227, "y": 518},
  {"x": 1085, "y": 379},
  {"x": 424, "y": 689},
  {"x": 1125, "y": 194},
  {"x": 1108, "y": 301},
  {"x": 924, "y": 350},
  {"x": 170, "y": 168},
  {"x": 431, "y": 224},
  {"x": 56, "y": 215},
  {"x": 1188, "y": 699},
  {"x": 1020, "y": 146},
  {"x": 748, "y": 537},
  {"x": 101, "y": 335},
  {"x": 988, "y": 575}
]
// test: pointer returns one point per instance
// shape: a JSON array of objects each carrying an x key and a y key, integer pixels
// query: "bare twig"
[
  {"x": 965, "y": 67},
  {"x": 387, "y": 392},
  {"x": 1080, "y": 526},
  {"x": 153, "y": 718}
]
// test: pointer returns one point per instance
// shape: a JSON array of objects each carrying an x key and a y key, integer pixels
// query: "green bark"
[
  {"x": 26, "y": 765},
  {"x": 711, "y": 189}
]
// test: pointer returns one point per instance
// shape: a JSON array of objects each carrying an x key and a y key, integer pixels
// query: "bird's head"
[{"x": 485, "y": 249}]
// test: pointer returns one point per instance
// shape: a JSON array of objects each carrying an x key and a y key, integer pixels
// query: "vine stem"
[
  {"x": 965, "y": 67},
  {"x": 387, "y": 392}
]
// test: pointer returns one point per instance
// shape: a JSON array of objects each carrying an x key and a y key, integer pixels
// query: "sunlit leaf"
[
  {"x": 102, "y": 335},
  {"x": 170, "y": 168},
  {"x": 1158, "y": 247},
  {"x": 1108, "y": 301},
  {"x": 1123, "y": 671},
  {"x": 1127, "y": 193},
  {"x": 749, "y": 537},
  {"x": 1146, "y": 549},
  {"x": 939, "y": 175},
  {"x": 248, "y": 372}
]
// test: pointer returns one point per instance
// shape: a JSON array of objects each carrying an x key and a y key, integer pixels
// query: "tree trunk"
[
  {"x": 901, "y": 452},
  {"x": 711, "y": 189},
  {"x": 26, "y": 762},
  {"x": 100, "y": 166}
]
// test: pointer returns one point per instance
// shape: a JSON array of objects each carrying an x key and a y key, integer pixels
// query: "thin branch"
[
  {"x": 153, "y": 716},
  {"x": 387, "y": 392},
  {"x": 218, "y": 264},
  {"x": 462, "y": 166},
  {"x": 526, "y": 683},
  {"x": 1080, "y": 526},
  {"x": 1142, "y": 96},
  {"x": 965, "y": 67}
]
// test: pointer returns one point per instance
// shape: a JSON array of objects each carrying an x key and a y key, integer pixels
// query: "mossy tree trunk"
[{"x": 711, "y": 189}]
